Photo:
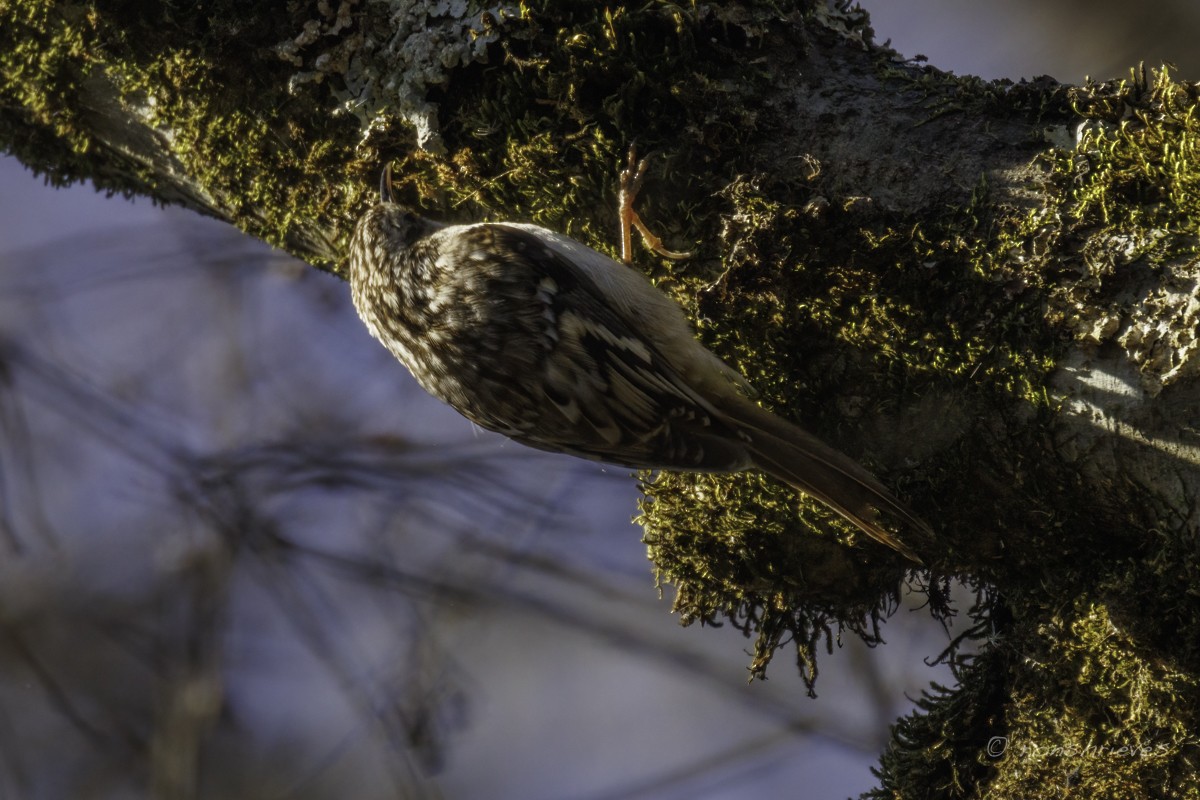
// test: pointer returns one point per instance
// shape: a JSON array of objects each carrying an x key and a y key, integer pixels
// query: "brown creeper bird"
[{"x": 534, "y": 335}]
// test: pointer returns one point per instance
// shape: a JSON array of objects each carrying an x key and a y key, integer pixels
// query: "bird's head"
[{"x": 389, "y": 226}]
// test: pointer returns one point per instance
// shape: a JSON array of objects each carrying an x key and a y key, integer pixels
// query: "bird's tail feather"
[{"x": 806, "y": 463}]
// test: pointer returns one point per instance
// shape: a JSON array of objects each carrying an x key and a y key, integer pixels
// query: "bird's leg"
[{"x": 631, "y": 183}]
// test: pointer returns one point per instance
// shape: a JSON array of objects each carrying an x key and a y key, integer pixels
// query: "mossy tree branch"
[{"x": 988, "y": 292}]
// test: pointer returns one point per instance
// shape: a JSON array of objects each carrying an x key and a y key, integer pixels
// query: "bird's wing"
[
  {"x": 614, "y": 393},
  {"x": 621, "y": 378}
]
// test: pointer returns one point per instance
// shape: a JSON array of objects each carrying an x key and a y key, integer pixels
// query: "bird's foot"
[{"x": 631, "y": 183}]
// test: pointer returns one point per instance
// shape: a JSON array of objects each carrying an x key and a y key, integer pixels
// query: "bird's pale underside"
[{"x": 536, "y": 336}]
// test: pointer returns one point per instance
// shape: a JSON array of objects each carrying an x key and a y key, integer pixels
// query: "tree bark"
[{"x": 987, "y": 292}]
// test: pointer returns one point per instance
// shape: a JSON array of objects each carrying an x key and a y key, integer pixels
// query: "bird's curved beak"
[{"x": 385, "y": 185}]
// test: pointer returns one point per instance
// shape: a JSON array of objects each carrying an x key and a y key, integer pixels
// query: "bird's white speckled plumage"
[{"x": 539, "y": 337}]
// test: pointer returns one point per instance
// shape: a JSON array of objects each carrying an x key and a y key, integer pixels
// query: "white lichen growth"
[
  {"x": 382, "y": 60},
  {"x": 844, "y": 18},
  {"x": 1161, "y": 334},
  {"x": 1154, "y": 317}
]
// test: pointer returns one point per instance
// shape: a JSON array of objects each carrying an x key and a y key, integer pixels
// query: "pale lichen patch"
[
  {"x": 389, "y": 68},
  {"x": 1161, "y": 334}
]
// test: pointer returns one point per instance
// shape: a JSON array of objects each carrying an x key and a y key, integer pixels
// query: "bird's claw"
[{"x": 631, "y": 183}]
